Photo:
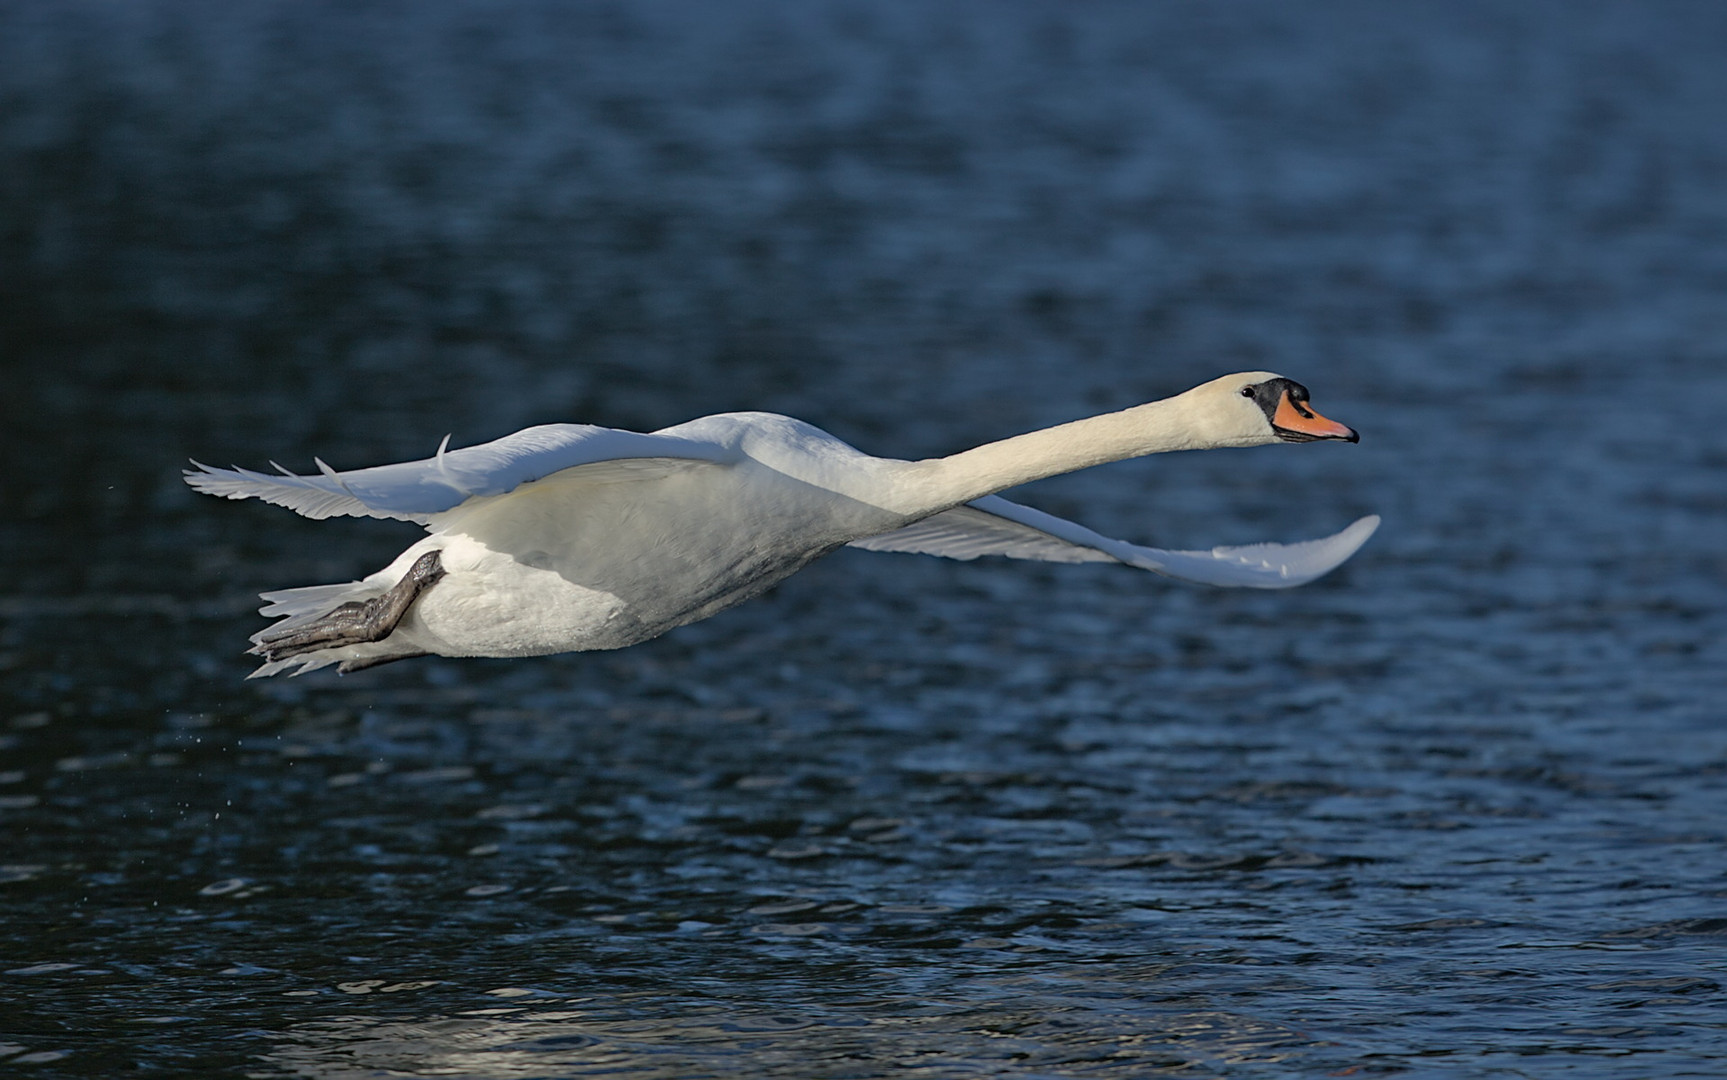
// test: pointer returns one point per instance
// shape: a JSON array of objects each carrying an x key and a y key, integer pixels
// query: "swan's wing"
[
  {"x": 995, "y": 526},
  {"x": 415, "y": 490},
  {"x": 966, "y": 532}
]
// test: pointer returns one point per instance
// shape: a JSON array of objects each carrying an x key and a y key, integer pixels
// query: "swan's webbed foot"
[
  {"x": 348, "y": 667},
  {"x": 357, "y": 622}
]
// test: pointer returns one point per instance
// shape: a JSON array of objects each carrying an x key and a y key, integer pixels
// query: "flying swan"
[{"x": 569, "y": 537}]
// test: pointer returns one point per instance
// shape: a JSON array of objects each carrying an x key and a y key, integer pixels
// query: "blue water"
[{"x": 1457, "y": 810}]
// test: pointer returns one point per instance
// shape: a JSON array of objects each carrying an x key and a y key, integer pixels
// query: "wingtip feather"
[{"x": 1285, "y": 566}]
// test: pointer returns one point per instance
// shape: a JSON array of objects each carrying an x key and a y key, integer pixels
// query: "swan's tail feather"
[{"x": 295, "y": 665}]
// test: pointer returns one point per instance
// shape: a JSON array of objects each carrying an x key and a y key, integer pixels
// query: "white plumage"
[{"x": 571, "y": 537}]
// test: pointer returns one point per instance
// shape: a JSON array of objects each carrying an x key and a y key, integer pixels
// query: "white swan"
[{"x": 571, "y": 537}]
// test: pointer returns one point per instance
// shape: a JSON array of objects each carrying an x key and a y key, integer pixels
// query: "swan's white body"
[{"x": 571, "y": 537}]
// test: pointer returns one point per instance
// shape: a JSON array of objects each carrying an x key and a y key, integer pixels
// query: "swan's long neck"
[{"x": 1154, "y": 428}]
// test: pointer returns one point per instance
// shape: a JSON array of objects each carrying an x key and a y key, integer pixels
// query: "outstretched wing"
[
  {"x": 995, "y": 526},
  {"x": 415, "y": 490}
]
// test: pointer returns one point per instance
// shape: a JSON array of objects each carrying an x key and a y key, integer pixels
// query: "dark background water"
[{"x": 1457, "y": 810}]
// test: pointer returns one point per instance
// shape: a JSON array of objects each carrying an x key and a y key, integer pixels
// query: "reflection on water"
[
  {"x": 564, "y": 1037},
  {"x": 1458, "y": 807}
]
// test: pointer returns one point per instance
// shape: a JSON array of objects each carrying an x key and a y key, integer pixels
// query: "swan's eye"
[{"x": 1247, "y": 391}]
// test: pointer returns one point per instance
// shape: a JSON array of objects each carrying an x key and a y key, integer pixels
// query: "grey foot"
[
  {"x": 357, "y": 622},
  {"x": 348, "y": 667}
]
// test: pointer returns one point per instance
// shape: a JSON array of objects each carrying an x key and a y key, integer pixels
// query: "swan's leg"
[{"x": 359, "y": 621}]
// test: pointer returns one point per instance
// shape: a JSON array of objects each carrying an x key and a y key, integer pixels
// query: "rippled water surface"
[{"x": 1458, "y": 809}]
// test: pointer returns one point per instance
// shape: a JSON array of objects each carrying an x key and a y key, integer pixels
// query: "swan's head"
[{"x": 1255, "y": 408}]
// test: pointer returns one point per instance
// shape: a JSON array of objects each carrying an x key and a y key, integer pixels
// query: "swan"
[{"x": 568, "y": 537}]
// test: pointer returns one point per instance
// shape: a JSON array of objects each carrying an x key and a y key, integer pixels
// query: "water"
[{"x": 1456, "y": 810}]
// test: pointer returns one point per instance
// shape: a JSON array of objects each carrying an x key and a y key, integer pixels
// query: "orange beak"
[{"x": 1296, "y": 422}]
